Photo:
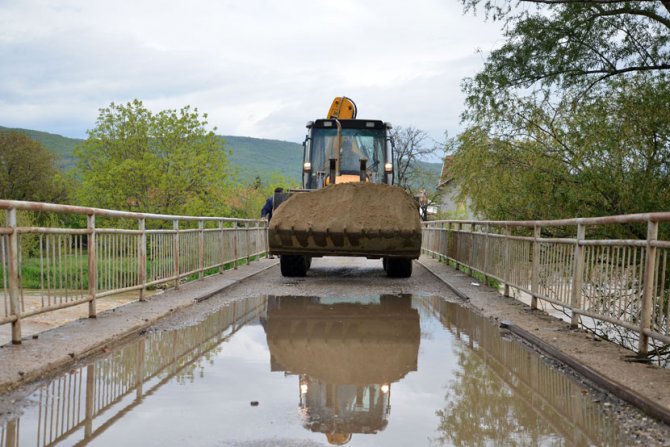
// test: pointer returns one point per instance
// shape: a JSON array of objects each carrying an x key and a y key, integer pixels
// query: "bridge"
[{"x": 545, "y": 277}]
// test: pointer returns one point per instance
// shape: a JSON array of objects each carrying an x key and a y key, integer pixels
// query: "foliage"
[
  {"x": 249, "y": 199},
  {"x": 62, "y": 147},
  {"x": 567, "y": 43},
  {"x": 162, "y": 163},
  {"x": 28, "y": 171},
  {"x": 606, "y": 154}
]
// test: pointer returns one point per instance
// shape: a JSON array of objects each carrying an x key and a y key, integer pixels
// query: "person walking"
[{"x": 266, "y": 211}]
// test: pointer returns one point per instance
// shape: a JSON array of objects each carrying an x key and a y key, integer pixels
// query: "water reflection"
[
  {"x": 346, "y": 356},
  {"x": 501, "y": 387},
  {"x": 334, "y": 365}
]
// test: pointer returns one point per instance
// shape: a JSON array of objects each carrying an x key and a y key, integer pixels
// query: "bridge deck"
[{"x": 58, "y": 348}]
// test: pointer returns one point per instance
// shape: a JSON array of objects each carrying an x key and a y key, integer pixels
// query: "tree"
[
  {"x": 163, "y": 163},
  {"x": 568, "y": 43},
  {"x": 410, "y": 148},
  {"x": 608, "y": 153},
  {"x": 249, "y": 199},
  {"x": 28, "y": 171}
]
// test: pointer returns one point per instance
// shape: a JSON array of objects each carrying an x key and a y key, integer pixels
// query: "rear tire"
[
  {"x": 293, "y": 265},
  {"x": 398, "y": 267}
]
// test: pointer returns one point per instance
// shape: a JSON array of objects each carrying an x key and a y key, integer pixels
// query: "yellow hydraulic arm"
[{"x": 342, "y": 108}]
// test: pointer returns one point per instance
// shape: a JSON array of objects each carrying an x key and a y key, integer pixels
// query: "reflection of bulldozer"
[
  {"x": 346, "y": 356},
  {"x": 352, "y": 209}
]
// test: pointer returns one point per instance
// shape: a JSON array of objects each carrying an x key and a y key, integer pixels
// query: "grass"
[{"x": 72, "y": 272}]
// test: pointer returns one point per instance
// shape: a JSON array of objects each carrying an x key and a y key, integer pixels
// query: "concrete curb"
[
  {"x": 646, "y": 405},
  {"x": 35, "y": 359}
]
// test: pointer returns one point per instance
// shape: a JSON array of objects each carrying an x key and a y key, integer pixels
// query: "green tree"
[
  {"x": 607, "y": 153},
  {"x": 166, "y": 162},
  {"x": 28, "y": 170},
  {"x": 568, "y": 43}
]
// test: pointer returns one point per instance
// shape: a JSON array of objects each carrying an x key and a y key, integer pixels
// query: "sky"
[{"x": 258, "y": 68}]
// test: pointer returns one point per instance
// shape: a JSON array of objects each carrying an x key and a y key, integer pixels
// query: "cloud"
[{"x": 259, "y": 68}]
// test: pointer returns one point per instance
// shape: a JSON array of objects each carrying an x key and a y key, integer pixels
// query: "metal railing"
[
  {"x": 618, "y": 288},
  {"x": 104, "y": 252}
]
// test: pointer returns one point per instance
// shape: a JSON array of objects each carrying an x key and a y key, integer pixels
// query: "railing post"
[
  {"x": 12, "y": 437},
  {"x": 248, "y": 241},
  {"x": 577, "y": 276},
  {"x": 648, "y": 290},
  {"x": 266, "y": 227},
  {"x": 223, "y": 247},
  {"x": 471, "y": 258},
  {"x": 235, "y": 244},
  {"x": 535, "y": 272},
  {"x": 201, "y": 249},
  {"x": 14, "y": 276},
  {"x": 459, "y": 245},
  {"x": 485, "y": 268},
  {"x": 92, "y": 267},
  {"x": 507, "y": 276},
  {"x": 175, "y": 251},
  {"x": 142, "y": 254},
  {"x": 444, "y": 241}
]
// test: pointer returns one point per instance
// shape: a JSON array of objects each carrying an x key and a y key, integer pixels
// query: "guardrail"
[
  {"x": 619, "y": 288},
  {"x": 51, "y": 267}
]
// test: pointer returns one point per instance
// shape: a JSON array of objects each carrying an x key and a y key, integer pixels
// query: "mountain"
[
  {"x": 250, "y": 156},
  {"x": 259, "y": 157}
]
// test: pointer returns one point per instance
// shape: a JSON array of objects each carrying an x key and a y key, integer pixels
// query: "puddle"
[{"x": 309, "y": 371}]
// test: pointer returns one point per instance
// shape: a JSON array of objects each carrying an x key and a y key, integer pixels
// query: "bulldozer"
[{"x": 348, "y": 205}]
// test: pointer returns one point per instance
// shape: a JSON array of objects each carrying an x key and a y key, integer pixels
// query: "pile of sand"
[{"x": 366, "y": 214}]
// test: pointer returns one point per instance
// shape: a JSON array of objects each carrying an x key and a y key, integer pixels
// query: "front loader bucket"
[{"x": 349, "y": 219}]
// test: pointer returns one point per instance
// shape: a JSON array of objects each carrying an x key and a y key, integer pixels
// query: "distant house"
[{"x": 449, "y": 206}]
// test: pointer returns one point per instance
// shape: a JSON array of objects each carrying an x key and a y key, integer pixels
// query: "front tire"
[
  {"x": 398, "y": 267},
  {"x": 293, "y": 265}
]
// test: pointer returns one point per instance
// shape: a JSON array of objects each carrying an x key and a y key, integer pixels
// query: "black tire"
[
  {"x": 308, "y": 261},
  {"x": 293, "y": 265},
  {"x": 398, "y": 267},
  {"x": 384, "y": 263}
]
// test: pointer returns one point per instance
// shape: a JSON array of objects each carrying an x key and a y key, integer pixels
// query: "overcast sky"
[{"x": 259, "y": 68}]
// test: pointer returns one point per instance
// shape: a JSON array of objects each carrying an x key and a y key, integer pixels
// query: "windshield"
[{"x": 356, "y": 144}]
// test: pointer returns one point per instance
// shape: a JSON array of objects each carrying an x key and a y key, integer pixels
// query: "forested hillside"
[{"x": 250, "y": 157}]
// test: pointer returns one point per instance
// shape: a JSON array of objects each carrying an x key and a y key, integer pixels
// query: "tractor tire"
[
  {"x": 293, "y": 265},
  {"x": 398, "y": 267}
]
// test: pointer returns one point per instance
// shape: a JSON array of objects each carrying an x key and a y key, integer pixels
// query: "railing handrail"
[
  {"x": 662, "y": 216},
  {"x": 101, "y": 212}
]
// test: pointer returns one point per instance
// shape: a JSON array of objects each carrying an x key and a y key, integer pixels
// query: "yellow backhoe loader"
[{"x": 348, "y": 205}]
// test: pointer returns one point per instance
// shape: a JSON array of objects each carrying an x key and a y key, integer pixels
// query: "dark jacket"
[{"x": 267, "y": 209}]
